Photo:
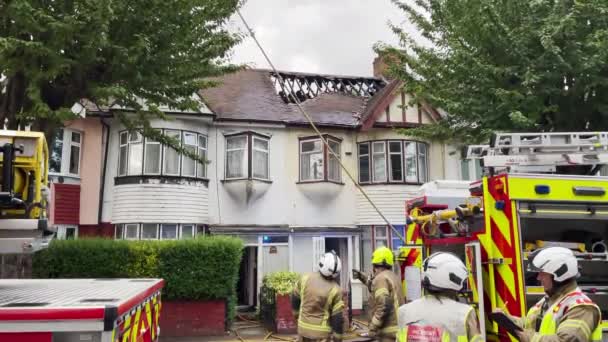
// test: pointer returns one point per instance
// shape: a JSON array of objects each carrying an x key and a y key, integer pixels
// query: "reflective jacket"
[
  {"x": 320, "y": 307},
  {"x": 568, "y": 315},
  {"x": 438, "y": 318},
  {"x": 385, "y": 299}
]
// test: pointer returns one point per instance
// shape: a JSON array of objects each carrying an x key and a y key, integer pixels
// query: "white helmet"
[
  {"x": 444, "y": 271},
  {"x": 330, "y": 265},
  {"x": 558, "y": 261}
]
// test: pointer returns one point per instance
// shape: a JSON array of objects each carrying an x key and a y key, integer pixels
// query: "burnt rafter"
[{"x": 308, "y": 86}]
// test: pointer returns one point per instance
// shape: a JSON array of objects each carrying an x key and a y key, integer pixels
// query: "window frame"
[
  {"x": 369, "y": 157},
  {"x": 66, "y": 152},
  {"x": 179, "y": 133},
  {"x": 326, "y": 158},
  {"x": 248, "y": 155},
  {"x": 120, "y": 231}
]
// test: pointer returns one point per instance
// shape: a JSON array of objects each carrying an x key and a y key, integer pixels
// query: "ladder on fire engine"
[{"x": 542, "y": 152}]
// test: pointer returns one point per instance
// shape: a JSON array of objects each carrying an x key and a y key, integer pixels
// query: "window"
[
  {"x": 187, "y": 231},
  {"x": 381, "y": 236},
  {"x": 364, "y": 163},
  {"x": 396, "y": 241},
  {"x": 471, "y": 169},
  {"x": 65, "y": 152},
  {"x": 145, "y": 156},
  {"x": 168, "y": 231},
  {"x": 247, "y": 156},
  {"x": 154, "y": 231},
  {"x": 393, "y": 161},
  {"x": 379, "y": 161},
  {"x": 149, "y": 231},
  {"x": 131, "y": 231},
  {"x": 317, "y": 163}
]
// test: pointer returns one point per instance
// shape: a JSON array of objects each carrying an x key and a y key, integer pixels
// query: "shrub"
[
  {"x": 281, "y": 282},
  {"x": 198, "y": 269}
]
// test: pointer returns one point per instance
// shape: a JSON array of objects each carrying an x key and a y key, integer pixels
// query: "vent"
[{"x": 26, "y": 305}]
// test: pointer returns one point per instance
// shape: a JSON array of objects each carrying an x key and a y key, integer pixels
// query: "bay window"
[
  {"x": 145, "y": 156},
  {"x": 393, "y": 161},
  {"x": 247, "y": 156},
  {"x": 317, "y": 163}
]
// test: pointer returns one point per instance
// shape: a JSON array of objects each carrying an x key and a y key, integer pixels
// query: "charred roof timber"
[{"x": 308, "y": 86}]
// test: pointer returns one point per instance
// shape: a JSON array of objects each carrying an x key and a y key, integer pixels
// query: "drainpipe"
[{"x": 106, "y": 133}]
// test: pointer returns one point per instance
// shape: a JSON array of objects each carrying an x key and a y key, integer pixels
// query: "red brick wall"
[
  {"x": 104, "y": 230},
  {"x": 66, "y": 203},
  {"x": 285, "y": 321},
  {"x": 193, "y": 318}
]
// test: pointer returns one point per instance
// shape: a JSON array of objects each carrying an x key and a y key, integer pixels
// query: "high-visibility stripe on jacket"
[
  {"x": 555, "y": 320},
  {"x": 385, "y": 300},
  {"x": 320, "y": 299}
]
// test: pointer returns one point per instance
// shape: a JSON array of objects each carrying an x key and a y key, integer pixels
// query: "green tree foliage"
[
  {"x": 505, "y": 65},
  {"x": 56, "y": 52}
]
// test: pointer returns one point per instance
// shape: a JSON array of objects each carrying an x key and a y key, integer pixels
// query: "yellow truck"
[{"x": 24, "y": 192}]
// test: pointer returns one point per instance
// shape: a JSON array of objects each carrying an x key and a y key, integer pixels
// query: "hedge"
[{"x": 199, "y": 269}]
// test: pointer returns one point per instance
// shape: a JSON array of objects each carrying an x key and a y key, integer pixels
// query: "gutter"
[{"x": 106, "y": 129}]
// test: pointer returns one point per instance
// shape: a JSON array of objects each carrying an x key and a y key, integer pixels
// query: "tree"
[
  {"x": 54, "y": 53},
  {"x": 505, "y": 65}
]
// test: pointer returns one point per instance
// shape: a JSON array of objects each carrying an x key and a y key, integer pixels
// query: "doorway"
[
  {"x": 248, "y": 275},
  {"x": 340, "y": 246}
]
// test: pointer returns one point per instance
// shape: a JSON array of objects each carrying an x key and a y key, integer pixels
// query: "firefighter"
[
  {"x": 317, "y": 299},
  {"x": 438, "y": 316},
  {"x": 564, "y": 313},
  {"x": 385, "y": 295}
]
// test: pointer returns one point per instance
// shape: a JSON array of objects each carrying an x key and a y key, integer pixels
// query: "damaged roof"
[{"x": 258, "y": 95}]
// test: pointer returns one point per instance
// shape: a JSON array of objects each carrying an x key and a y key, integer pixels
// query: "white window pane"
[
  {"x": 333, "y": 167},
  {"x": 312, "y": 166},
  {"x": 379, "y": 168},
  {"x": 380, "y": 232},
  {"x": 236, "y": 142},
  {"x": 136, "y": 159},
  {"x": 422, "y": 163},
  {"x": 152, "y": 161},
  {"x": 311, "y": 146},
  {"x": 122, "y": 162},
  {"x": 260, "y": 144},
  {"x": 187, "y": 231},
  {"x": 149, "y": 231},
  {"x": 76, "y": 137},
  {"x": 56, "y": 151},
  {"x": 235, "y": 164},
  {"x": 123, "y": 138},
  {"x": 260, "y": 164},
  {"x": 190, "y": 139},
  {"x": 411, "y": 165},
  {"x": 381, "y": 243},
  {"x": 202, "y": 141},
  {"x": 201, "y": 168},
  {"x": 135, "y": 137},
  {"x": 379, "y": 162},
  {"x": 171, "y": 161},
  {"x": 189, "y": 164},
  {"x": 132, "y": 231},
  {"x": 118, "y": 232},
  {"x": 168, "y": 231},
  {"x": 74, "y": 160},
  {"x": 378, "y": 147}
]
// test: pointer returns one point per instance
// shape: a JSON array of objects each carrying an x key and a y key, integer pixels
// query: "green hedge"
[{"x": 200, "y": 269}]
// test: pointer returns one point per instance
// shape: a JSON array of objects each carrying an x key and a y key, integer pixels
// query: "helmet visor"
[{"x": 531, "y": 266}]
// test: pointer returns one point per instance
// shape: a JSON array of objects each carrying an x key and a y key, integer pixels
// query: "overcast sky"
[{"x": 318, "y": 36}]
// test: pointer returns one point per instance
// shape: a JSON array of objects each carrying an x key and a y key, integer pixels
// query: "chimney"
[{"x": 381, "y": 66}]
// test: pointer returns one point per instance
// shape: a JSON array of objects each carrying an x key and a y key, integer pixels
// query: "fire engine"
[
  {"x": 59, "y": 310},
  {"x": 538, "y": 189}
]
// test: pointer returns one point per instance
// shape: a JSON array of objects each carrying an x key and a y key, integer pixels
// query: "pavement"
[{"x": 248, "y": 329}]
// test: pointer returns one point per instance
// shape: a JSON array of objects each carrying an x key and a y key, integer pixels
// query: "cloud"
[{"x": 323, "y": 36}]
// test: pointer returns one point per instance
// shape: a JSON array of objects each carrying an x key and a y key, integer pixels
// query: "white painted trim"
[
  {"x": 52, "y": 326},
  {"x": 291, "y": 249}
]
